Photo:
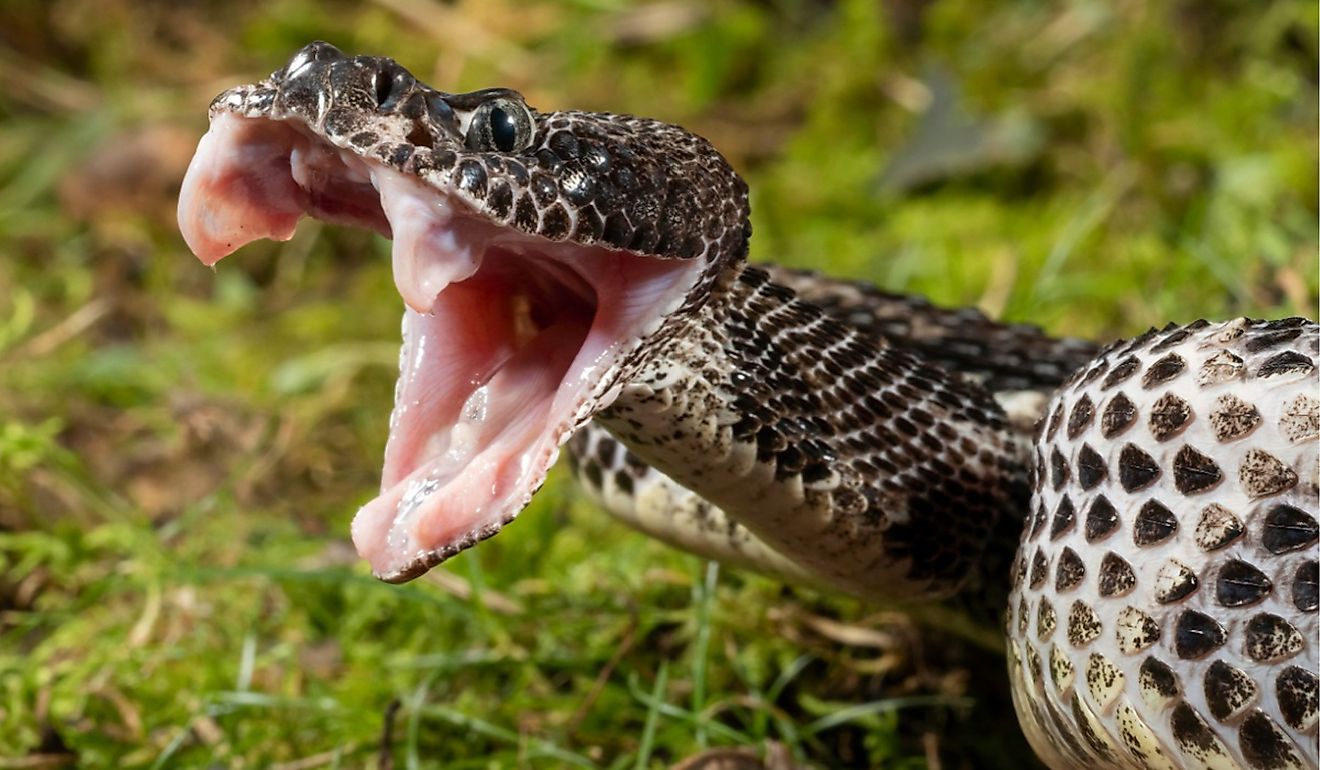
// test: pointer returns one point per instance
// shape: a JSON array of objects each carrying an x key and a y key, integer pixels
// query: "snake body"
[
  {"x": 812, "y": 428},
  {"x": 1164, "y": 596}
]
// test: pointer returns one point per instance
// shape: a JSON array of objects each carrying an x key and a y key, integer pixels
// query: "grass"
[{"x": 181, "y": 451}]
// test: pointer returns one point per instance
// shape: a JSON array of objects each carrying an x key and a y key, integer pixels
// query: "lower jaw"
[
  {"x": 495, "y": 433},
  {"x": 503, "y": 369}
]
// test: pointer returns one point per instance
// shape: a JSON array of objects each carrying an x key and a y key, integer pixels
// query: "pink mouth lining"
[{"x": 511, "y": 341}]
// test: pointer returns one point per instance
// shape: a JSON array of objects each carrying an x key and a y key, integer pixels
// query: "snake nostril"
[
  {"x": 384, "y": 88},
  {"x": 391, "y": 84}
]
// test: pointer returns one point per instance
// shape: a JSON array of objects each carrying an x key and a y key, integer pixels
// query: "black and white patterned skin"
[
  {"x": 827, "y": 444},
  {"x": 832, "y": 434},
  {"x": 1002, "y": 357},
  {"x": 1164, "y": 604},
  {"x": 1017, "y": 363}
]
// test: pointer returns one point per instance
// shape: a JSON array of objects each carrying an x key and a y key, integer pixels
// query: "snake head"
[{"x": 537, "y": 254}]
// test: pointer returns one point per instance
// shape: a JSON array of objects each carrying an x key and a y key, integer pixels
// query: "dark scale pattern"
[
  {"x": 1264, "y": 745},
  {"x": 1288, "y": 528},
  {"x": 1119, "y": 414},
  {"x": 1001, "y": 356},
  {"x": 1070, "y": 572},
  {"x": 1040, "y": 569},
  {"x": 1195, "y": 738},
  {"x": 1287, "y": 362},
  {"x": 1037, "y": 524},
  {"x": 1121, "y": 372},
  {"x": 1270, "y": 638},
  {"x": 1091, "y": 468},
  {"x": 1065, "y": 516},
  {"x": 1228, "y": 690},
  {"x": 1174, "y": 339},
  {"x": 1059, "y": 472},
  {"x": 1136, "y": 468},
  {"x": 1158, "y": 679},
  {"x": 1186, "y": 622},
  {"x": 1154, "y": 523},
  {"x": 1306, "y": 586},
  {"x": 1055, "y": 420},
  {"x": 1080, "y": 419},
  {"x": 1194, "y": 471},
  {"x": 1101, "y": 520},
  {"x": 1196, "y": 635},
  {"x": 1269, "y": 338},
  {"x": 1163, "y": 370},
  {"x": 1297, "y": 690},
  {"x": 1116, "y": 576},
  {"x": 1169, "y": 416}
]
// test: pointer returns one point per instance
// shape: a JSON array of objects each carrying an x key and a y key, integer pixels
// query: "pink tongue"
[
  {"x": 457, "y": 471},
  {"x": 239, "y": 188}
]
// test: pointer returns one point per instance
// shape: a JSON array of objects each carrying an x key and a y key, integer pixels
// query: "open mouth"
[{"x": 511, "y": 341}]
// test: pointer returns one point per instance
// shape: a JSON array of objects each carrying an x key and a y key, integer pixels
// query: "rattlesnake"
[{"x": 584, "y": 273}]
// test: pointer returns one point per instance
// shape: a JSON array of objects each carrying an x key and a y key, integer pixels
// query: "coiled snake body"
[{"x": 582, "y": 273}]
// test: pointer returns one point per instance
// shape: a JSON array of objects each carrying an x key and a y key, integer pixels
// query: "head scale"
[{"x": 590, "y": 178}]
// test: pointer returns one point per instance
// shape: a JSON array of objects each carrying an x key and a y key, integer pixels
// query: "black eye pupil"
[
  {"x": 503, "y": 129},
  {"x": 501, "y": 125}
]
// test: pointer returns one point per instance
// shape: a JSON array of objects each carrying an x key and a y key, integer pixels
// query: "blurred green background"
[{"x": 181, "y": 451}]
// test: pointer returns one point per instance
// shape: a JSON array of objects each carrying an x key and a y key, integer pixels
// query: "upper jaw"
[{"x": 615, "y": 181}]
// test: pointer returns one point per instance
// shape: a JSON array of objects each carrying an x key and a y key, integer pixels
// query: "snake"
[{"x": 1138, "y": 520}]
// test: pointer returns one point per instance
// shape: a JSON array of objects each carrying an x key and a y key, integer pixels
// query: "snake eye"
[{"x": 500, "y": 124}]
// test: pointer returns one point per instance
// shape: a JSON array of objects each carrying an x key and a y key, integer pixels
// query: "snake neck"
[{"x": 884, "y": 476}]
